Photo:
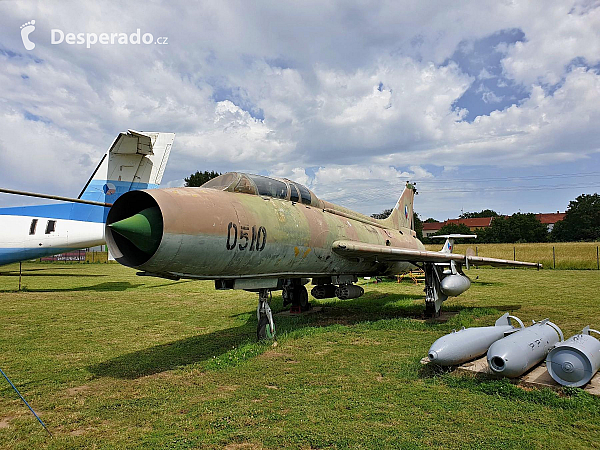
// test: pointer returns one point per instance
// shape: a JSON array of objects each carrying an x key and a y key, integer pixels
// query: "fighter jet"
[{"x": 263, "y": 234}]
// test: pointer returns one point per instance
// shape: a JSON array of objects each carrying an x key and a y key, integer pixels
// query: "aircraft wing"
[{"x": 383, "y": 253}]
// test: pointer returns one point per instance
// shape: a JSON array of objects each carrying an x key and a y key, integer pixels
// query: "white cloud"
[{"x": 366, "y": 93}]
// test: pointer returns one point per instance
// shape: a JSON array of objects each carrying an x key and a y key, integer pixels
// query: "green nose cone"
[{"x": 144, "y": 229}]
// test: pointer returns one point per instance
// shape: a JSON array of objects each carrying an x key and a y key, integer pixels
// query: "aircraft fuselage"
[{"x": 212, "y": 234}]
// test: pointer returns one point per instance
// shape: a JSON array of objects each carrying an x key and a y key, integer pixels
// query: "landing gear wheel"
[
  {"x": 264, "y": 330},
  {"x": 298, "y": 296},
  {"x": 302, "y": 299},
  {"x": 266, "y": 326}
]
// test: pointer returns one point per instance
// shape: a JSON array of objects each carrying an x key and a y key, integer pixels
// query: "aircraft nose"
[{"x": 144, "y": 229}]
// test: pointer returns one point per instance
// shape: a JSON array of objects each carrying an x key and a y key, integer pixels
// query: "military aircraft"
[
  {"x": 135, "y": 160},
  {"x": 262, "y": 234}
]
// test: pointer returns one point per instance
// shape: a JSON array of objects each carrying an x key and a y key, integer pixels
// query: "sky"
[{"x": 485, "y": 104}]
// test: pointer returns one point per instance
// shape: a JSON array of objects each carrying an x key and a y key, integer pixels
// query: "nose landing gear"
[{"x": 266, "y": 325}]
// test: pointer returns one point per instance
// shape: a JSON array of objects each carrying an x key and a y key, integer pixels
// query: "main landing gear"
[
  {"x": 266, "y": 325},
  {"x": 297, "y": 295}
]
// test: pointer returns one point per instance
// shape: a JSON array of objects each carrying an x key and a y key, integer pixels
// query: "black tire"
[
  {"x": 302, "y": 298},
  {"x": 263, "y": 330}
]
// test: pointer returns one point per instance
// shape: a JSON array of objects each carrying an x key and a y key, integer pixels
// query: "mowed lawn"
[
  {"x": 559, "y": 255},
  {"x": 112, "y": 360}
]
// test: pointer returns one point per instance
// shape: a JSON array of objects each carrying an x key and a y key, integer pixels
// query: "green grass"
[
  {"x": 111, "y": 360},
  {"x": 567, "y": 255}
]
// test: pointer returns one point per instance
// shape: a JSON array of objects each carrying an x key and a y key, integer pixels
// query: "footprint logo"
[{"x": 26, "y": 29}]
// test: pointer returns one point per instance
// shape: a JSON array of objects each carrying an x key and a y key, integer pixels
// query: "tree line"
[{"x": 581, "y": 223}]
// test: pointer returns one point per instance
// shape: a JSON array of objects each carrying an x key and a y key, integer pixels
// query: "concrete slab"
[{"x": 536, "y": 378}]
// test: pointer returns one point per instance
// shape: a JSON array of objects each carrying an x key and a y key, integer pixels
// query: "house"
[
  {"x": 548, "y": 219},
  {"x": 473, "y": 224}
]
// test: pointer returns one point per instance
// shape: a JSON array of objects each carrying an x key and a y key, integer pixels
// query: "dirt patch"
[
  {"x": 228, "y": 388},
  {"x": 246, "y": 445},
  {"x": 4, "y": 422},
  {"x": 78, "y": 390},
  {"x": 273, "y": 354}
]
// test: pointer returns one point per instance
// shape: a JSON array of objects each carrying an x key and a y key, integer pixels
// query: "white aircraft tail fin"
[
  {"x": 449, "y": 244},
  {"x": 135, "y": 160}
]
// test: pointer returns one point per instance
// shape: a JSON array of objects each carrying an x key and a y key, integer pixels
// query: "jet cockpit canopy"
[{"x": 246, "y": 183}]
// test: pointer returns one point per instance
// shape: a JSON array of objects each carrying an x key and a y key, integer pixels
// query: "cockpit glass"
[
  {"x": 294, "y": 196},
  {"x": 221, "y": 182},
  {"x": 305, "y": 193},
  {"x": 269, "y": 187}
]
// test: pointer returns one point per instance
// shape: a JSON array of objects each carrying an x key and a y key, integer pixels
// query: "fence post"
[
  {"x": 597, "y": 259},
  {"x": 514, "y": 253},
  {"x": 553, "y": 258},
  {"x": 20, "y": 276}
]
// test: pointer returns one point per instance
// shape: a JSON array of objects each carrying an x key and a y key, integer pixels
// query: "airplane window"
[
  {"x": 294, "y": 196},
  {"x": 269, "y": 187},
  {"x": 245, "y": 186},
  {"x": 50, "y": 226},
  {"x": 306, "y": 197},
  {"x": 33, "y": 226},
  {"x": 221, "y": 182}
]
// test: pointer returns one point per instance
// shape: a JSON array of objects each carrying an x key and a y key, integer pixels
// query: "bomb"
[
  {"x": 469, "y": 343},
  {"x": 575, "y": 361},
  {"x": 514, "y": 355}
]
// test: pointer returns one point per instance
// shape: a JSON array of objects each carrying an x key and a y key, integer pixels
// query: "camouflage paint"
[{"x": 199, "y": 226}]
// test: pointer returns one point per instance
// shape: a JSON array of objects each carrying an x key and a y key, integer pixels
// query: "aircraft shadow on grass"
[
  {"x": 111, "y": 286},
  {"x": 197, "y": 349},
  {"x": 27, "y": 274}
]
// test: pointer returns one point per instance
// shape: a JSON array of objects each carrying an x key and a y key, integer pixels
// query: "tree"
[
  {"x": 431, "y": 220},
  {"x": 199, "y": 178},
  {"x": 453, "y": 228},
  {"x": 484, "y": 213},
  {"x": 516, "y": 228},
  {"x": 418, "y": 225},
  {"x": 581, "y": 222},
  {"x": 382, "y": 215}
]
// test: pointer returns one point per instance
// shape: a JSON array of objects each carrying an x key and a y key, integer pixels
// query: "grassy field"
[
  {"x": 111, "y": 360},
  {"x": 567, "y": 255}
]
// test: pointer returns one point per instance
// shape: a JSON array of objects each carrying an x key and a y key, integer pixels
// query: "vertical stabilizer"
[
  {"x": 402, "y": 214},
  {"x": 135, "y": 160}
]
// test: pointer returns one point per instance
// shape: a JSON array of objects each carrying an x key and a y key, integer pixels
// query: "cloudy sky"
[{"x": 487, "y": 104}]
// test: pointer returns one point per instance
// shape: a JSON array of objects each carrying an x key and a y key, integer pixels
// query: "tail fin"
[
  {"x": 135, "y": 160},
  {"x": 402, "y": 214}
]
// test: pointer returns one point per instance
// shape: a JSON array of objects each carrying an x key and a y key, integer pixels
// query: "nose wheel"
[{"x": 266, "y": 325}]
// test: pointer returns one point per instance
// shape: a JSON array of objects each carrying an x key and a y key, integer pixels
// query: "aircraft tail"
[
  {"x": 402, "y": 214},
  {"x": 135, "y": 160}
]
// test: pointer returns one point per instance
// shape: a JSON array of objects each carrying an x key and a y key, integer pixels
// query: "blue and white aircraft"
[{"x": 135, "y": 160}]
